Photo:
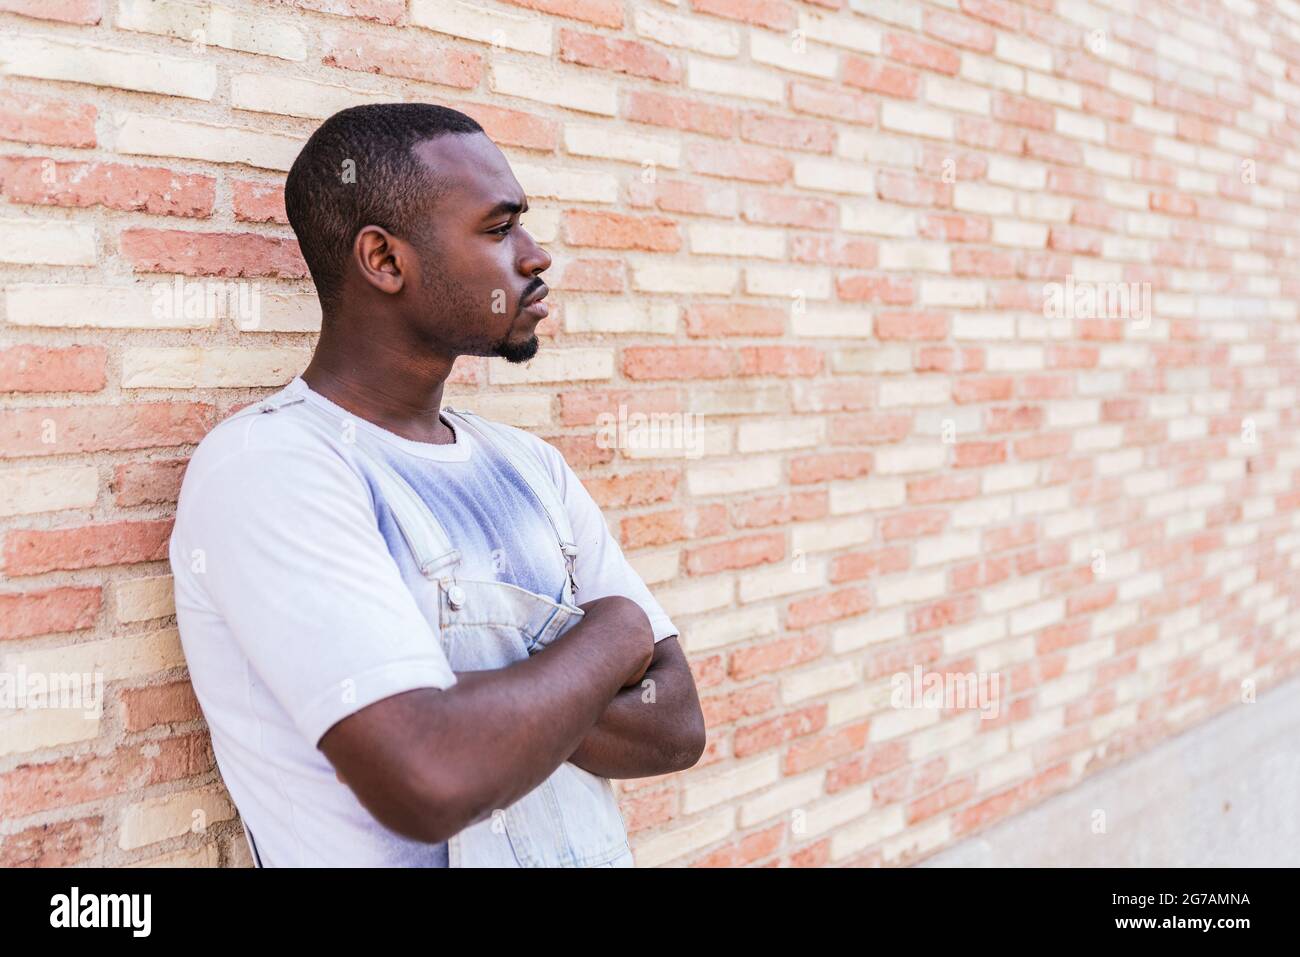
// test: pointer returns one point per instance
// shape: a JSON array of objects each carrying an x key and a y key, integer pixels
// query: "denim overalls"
[{"x": 571, "y": 819}]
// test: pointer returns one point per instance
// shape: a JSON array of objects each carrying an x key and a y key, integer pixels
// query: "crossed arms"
[{"x": 606, "y": 697}]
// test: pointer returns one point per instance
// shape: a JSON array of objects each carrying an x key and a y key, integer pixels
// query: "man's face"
[{"x": 477, "y": 264}]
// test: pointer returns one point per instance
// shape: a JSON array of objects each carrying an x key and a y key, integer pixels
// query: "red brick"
[
  {"x": 54, "y": 610},
  {"x": 212, "y": 254},
  {"x": 32, "y": 551},
  {"x": 676, "y": 362},
  {"x": 31, "y": 788},
  {"x": 739, "y": 553},
  {"x": 32, "y": 368},
  {"x": 916, "y": 52},
  {"x": 31, "y": 119},
  {"x": 258, "y": 202},
  {"x": 881, "y": 78},
  {"x": 95, "y": 428},
  {"x": 147, "y": 189}
]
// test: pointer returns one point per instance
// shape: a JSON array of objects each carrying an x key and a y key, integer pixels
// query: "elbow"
[
  {"x": 436, "y": 812},
  {"x": 692, "y": 743}
]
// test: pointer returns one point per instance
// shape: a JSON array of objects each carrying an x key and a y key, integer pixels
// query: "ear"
[{"x": 380, "y": 257}]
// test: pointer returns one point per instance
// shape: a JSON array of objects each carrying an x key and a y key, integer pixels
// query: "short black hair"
[{"x": 357, "y": 169}]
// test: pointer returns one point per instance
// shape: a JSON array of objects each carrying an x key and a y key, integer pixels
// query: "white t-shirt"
[{"x": 289, "y": 580}]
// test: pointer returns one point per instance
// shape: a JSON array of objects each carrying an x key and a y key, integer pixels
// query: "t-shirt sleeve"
[
  {"x": 601, "y": 569},
  {"x": 283, "y": 544}
]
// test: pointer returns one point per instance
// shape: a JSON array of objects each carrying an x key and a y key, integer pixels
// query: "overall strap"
[
  {"x": 420, "y": 528},
  {"x": 524, "y": 461}
]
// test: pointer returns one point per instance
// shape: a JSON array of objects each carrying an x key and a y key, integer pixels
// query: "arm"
[
  {"x": 653, "y": 727},
  {"x": 428, "y": 763}
]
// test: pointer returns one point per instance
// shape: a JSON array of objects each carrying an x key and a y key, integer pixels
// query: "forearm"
[
  {"x": 655, "y": 727},
  {"x": 514, "y": 726}
]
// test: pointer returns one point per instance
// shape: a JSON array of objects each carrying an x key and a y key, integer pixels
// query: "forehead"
[{"x": 476, "y": 171}]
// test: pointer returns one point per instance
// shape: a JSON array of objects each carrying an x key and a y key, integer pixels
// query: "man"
[{"x": 411, "y": 633}]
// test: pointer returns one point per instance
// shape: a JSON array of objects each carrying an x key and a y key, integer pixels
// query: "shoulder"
[{"x": 284, "y": 448}]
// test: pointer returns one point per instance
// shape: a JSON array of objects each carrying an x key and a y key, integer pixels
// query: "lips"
[{"x": 536, "y": 297}]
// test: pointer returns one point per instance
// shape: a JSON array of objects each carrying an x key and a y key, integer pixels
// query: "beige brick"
[
  {"x": 157, "y": 819},
  {"x": 912, "y": 588},
  {"x": 956, "y": 95},
  {"x": 499, "y": 28},
  {"x": 116, "y": 658},
  {"x": 137, "y": 134},
  {"x": 736, "y": 780},
  {"x": 833, "y": 176},
  {"x": 578, "y": 186},
  {"x": 775, "y": 435},
  {"x": 105, "y": 307},
  {"x": 656, "y": 567},
  {"x": 697, "y": 597},
  {"x": 782, "y": 51},
  {"x": 751, "y": 83},
  {"x": 621, "y": 315},
  {"x": 27, "y": 491},
  {"x": 914, "y": 257},
  {"x": 871, "y": 629},
  {"x": 841, "y": 31},
  {"x": 794, "y": 793},
  {"x": 555, "y": 365},
  {"x": 602, "y": 142},
  {"x": 653, "y": 276},
  {"x": 556, "y": 86},
  {"x": 729, "y": 478},
  {"x": 792, "y": 284},
  {"x": 833, "y": 813},
  {"x": 784, "y": 580},
  {"x": 144, "y": 599},
  {"x": 712, "y": 37},
  {"x": 877, "y": 219},
  {"x": 285, "y": 96},
  {"x": 900, "y": 721},
  {"x": 730, "y": 627},
  {"x": 827, "y": 536},
  {"x": 76, "y": 61},
  {"x": 214, "y": 25},
  {"x": 202, "y": 367},
  {"x": 833, "y": 322},
  {"x": 51, "y": 242},
  {"x": 35, "y": 729},
  {"x": 810, "y": 682},
  {"x": 519, "y": 409},
  {"x": 208, "y": 855},
  {"x": 685, "y": 839},
  {"x": 1022, "y": 52},
  {"x": 713, "y": 239},
  {"x": 916, "y": 120},
  {"x": 872, "y": 829},
  {"x": 857, "y": 495}
]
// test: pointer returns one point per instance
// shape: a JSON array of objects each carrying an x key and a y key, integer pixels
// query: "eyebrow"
[{"x": 506, "y": 206}]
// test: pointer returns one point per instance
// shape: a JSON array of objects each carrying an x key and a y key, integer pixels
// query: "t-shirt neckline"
[{"x": 457, "y": 451}]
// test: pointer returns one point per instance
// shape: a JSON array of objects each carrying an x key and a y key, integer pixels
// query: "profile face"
[{"x": 477, "y": 279}]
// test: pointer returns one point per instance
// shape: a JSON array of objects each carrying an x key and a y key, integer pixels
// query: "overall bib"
[{"x": 572, "y": 818}]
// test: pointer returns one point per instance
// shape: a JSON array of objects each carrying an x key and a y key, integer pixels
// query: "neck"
[{"x": 398, "y": 388}]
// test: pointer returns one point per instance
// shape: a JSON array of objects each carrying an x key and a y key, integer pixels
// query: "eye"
[{"x": 501, "y": 231}]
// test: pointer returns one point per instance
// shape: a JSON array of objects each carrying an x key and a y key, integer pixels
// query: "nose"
[{"x": 534, "y": 259}]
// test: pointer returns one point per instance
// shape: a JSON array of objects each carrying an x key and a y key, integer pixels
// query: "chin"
[{"x": 517, "y": 351}]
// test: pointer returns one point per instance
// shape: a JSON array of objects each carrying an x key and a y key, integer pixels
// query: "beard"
[{"x": 516, "y": 351}]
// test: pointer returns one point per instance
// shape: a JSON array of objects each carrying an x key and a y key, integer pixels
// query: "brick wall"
[{"x": 895, "y": 255}]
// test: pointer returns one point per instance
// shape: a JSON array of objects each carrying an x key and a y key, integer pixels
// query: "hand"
[{"x": 629, "y": 622}]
